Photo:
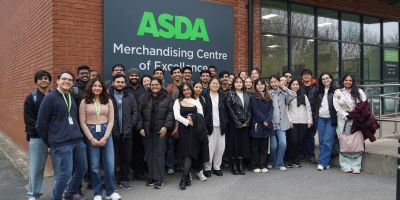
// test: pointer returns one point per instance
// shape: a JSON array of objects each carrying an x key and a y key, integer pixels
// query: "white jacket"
[{"x": 301, "y": 114}]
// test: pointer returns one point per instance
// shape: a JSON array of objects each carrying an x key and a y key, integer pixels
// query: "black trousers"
[
  {"x": 137, "y": 160},
  {"x": 122, "y": 153},
  {"x": 259, "y": 151},
  {"x": 295, "y": 138},
  {"x": 155, "y": 147}
]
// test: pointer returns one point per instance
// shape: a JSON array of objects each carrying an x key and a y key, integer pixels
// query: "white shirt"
[
  {"x": 215, "y": 110},
  {"x": 177, "y": 110},
  {"x": 240, "y": 94},
  {"x": 324, "y": 109}
]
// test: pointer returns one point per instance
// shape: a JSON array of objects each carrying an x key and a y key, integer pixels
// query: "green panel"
[{"x": 391, "y": 56}]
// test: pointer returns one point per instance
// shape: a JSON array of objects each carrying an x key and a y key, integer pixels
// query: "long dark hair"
[
  {"x": 259, "y": 96},
  {"x": 355, "y": 93},
  {"x": 321, "y": 87},
  {"x": 234, "y": 81},
  {"x": 89, "y": 97},
  {"x": 181, "y": 96},
  {"x": 301, "y": 95}
]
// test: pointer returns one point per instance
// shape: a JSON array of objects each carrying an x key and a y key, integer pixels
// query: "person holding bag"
[{"x": 344, "y": 102}]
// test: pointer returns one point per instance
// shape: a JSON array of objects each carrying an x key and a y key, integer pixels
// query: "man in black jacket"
[
  {"x": 137, "y": 159},
  {"x": 37, "y": 148},
  {"x": 125, "y": 120},
  {"x": 79, "y": 88}
]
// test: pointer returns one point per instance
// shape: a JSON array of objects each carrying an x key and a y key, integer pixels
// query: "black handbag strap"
[{"x": 344, "y": 127}]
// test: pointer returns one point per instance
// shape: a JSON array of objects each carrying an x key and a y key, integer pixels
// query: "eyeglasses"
[
  {"x": 327, "y": 78},
  {"x": 118, "y": 70}
]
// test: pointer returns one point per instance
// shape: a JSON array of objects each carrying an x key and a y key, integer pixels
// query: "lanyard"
[
  {"x": 97, "y": 108},
  {"x": 68, "y": 103}
]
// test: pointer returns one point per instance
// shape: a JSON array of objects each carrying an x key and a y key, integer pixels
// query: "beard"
[{"x": 134, "y": 82}]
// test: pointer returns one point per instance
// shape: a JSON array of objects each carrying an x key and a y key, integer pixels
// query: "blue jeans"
[
  {"x": 326, "y": 134},
  {"x": 37, "y": 161},
  {"x": 65, "y": 159},
  {"x": 309, "y": 142},
  {"x": 278, "y": 147},
  {"x": 106, "y": 154}
]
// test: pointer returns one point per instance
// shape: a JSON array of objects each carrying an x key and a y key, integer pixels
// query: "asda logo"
[{"x": 168, "y": 26}]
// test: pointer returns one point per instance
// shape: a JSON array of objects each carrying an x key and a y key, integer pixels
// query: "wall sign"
[{"x": 167, "y": 33}]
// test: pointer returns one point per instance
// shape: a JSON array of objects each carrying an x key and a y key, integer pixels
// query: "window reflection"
[
  {"x": 351, "y": 59},
  {"x": 372, "y": 30},
  {"x": 302, "y": 53},
  {"x": 391, "y": 33},
  {"x": 302, "y": 22},
  {"x": 328, "y": 56},
  {"x": 327, "y": 24},
  {"x": 351, "y": 27},
  {"x": 274, "y": 17},
  {"x": 274, "y": 55},
  {"x": 372, "y": 69}
]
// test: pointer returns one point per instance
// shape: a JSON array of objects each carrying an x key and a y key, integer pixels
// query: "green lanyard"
[
  {"x": 97, "y": 108},
  {"x": 69, "y": 104}
]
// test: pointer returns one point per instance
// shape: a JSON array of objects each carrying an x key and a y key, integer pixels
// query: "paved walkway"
[{"x": 303, "y": 183}]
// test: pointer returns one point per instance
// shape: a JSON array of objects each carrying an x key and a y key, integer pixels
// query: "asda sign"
[
  {"x": 166, "y": 33},
  {"x": 169, "y": 26}
]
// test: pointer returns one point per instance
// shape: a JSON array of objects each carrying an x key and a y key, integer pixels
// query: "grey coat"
[{"x": 281, "y": 99}]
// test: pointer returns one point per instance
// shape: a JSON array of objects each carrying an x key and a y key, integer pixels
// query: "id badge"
[
  {"x": 71, "y": 122},
  {"x": 98, "y": 128}
]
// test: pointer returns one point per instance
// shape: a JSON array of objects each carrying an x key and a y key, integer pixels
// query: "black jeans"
[
  {"x": 155, "y": 147},
  {"x": 122, "y": 152},
  {"x": 295, "y": 138},
  {"x": 259, "y": 151}
]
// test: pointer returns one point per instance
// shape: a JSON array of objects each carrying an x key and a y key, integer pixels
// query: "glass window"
[
  {"x": 328, "y": 24},
  {"x": 328, "y": 57},
  {"x": 302, "y": 22},
  {"x": 390, "y": 33},
  {"x": 302, "y": 53},
  {"x": 274, "y": 17},
  {"x": 351, "y": 27},
  {"x": 372, "y": 30},
  {"x": 372, "y": 64},
  {"x": 351, "y": 60},
  {"x": 274, "y": 55}
]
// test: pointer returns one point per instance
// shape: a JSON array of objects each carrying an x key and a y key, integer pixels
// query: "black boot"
[
  {"x": 234, "y": 168},
  {"x": 182, "y": 184},
  {"x": 240, "y": 167},
  {"x": 188, "y": 180}
]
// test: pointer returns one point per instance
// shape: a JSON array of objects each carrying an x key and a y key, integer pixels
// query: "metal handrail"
[{"x": 380, "y": 85}]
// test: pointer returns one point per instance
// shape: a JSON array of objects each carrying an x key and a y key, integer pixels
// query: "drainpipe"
[{"x": 250, "y": 36}]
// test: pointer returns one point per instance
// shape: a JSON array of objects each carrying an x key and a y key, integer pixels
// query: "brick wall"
[{"x": 26, "y": 32}]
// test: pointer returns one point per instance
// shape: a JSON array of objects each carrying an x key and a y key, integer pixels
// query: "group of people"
[{"x": 136, "y": 122}]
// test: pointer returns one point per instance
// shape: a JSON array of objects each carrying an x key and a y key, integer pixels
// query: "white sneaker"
[
  {"x": 283, "y": 168},
  {"x": 97, "y": 197},
  {"x": 264, "y": 170},
  {"x": 114, "y": 196},
  {"x": 201, "y": 176},
  {"x": 356, "y": 171},
  {"x": 269, "y": 166},
  {"x": 33, "y": 198},
  {"x": 320, "y": 167},
  {"x": 257, "y": 170}
]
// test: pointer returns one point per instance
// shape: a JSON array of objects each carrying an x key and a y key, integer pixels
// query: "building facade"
[{"x": 360, "y": 37}]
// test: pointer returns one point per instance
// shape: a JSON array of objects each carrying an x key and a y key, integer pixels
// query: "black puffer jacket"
[
  {"x": 239, "y": 114},
  {"x": 163, "y": 111},
  {"x": 129, "y": 114}
]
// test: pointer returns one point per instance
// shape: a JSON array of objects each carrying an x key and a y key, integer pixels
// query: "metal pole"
[
  {"x": 380, "y": 116},
  {"x": 398, "y": 173}
]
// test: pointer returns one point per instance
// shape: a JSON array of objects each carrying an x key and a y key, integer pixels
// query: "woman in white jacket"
[{"x": 300, "y": 118}]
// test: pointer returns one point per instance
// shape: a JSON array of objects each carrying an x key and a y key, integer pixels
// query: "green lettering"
[
  {"x": 199, "y": 30},
  {"x": 148, "y": 25},
  {"x": 179, "y": 22},
  {"x": 165, "y": 20}
]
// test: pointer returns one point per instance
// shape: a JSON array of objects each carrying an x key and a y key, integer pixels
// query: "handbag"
[
  {"x": 175, "y": 130},
  {"x": 353, "y": 143}
]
